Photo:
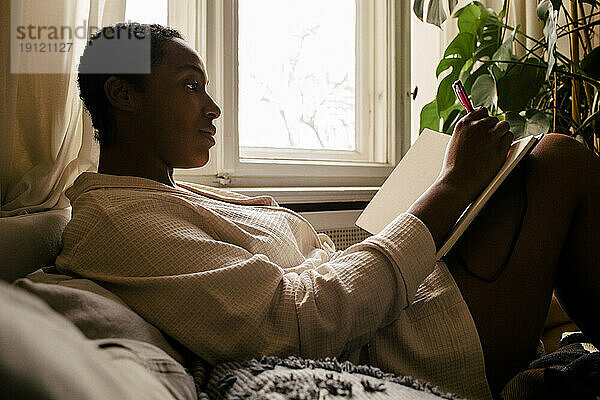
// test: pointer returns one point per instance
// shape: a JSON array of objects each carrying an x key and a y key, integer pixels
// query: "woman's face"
[{"x": 177, "y": 113}]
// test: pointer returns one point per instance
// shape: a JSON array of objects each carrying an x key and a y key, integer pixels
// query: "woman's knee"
[
  {"x": 561, "y": 162},
  {"x": 563, "y": 150},
  {"x": 555, "y": 149}
]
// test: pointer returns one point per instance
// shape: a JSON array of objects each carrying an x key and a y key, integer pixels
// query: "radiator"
[{"x": 338, "y": 225}]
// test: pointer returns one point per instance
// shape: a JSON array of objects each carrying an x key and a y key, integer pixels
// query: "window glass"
[
  {"x": 296, "y": 74},
  {"x": 147, "y": 11}
]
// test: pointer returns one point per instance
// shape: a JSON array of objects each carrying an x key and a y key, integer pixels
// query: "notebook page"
[{"x": 417, "y": 170}]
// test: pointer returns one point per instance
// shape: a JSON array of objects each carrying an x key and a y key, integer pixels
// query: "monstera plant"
[{"x": 525, "y": 80}]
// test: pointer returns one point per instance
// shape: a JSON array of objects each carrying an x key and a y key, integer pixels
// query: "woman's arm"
[{"x": 476, "y": 152}]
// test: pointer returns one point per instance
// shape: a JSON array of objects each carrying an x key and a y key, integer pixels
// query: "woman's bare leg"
[{"x": 555, "y": 228}]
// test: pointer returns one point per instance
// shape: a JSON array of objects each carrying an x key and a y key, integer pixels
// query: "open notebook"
[{"x": 414, "y": 174}]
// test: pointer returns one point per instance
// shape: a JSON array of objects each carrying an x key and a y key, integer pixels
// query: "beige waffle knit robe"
[{"x": 233, "y": 277}]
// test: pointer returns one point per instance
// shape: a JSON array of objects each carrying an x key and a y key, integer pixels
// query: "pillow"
[
  {"x": 46, "y": 357},
  {"x": 98, "y": 313},
  {"x": 30, "y": 241}
]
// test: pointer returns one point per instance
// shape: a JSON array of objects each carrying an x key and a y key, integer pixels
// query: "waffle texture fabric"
[{"x": 234, "y": 277}]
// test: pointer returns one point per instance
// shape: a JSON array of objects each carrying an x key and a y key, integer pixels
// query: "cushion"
[
  {"x": 30, "y": 241},
  {"x": 44, "y": 356},
  {"x": 98, "y": 313}
]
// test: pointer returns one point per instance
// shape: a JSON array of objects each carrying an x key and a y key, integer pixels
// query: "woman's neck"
[{"x": 115, "y": 161}]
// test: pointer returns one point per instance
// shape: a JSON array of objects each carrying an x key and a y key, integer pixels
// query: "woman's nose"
[{"x": 212, "y": 110}]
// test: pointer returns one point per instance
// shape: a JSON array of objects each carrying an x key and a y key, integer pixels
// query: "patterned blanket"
[
  {"x": 297, "y": 378},
  {"x": 571, "y": 372}
]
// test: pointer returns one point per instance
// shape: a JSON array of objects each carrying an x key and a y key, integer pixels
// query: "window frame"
[{"x": 211, "y": 27}]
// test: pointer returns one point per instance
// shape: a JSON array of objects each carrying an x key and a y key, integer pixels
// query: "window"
[
  {"x": 147, "y": 11},
  {"x": 296, "y": 79},
  {"x": 313, "y": 93}
]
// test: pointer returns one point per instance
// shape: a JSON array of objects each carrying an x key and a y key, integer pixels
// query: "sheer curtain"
[{"x": 46, "y": 139}]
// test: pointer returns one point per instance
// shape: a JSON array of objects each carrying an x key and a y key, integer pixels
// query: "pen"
[{"x": 461, "y": 94}]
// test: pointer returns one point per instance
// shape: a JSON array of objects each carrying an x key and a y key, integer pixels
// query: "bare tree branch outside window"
[{"x": 297, "y": 86}]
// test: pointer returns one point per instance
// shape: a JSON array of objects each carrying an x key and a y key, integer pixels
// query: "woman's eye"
[{"x": 192, "y": 85}]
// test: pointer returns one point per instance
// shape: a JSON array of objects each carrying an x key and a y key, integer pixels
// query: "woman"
[{"x": 232, "y": 277}]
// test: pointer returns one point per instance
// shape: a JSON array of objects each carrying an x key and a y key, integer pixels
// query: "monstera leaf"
[
  {"x": 436, "y": 13},
  {"x": 591, "y": 64},
  {"x": 533, "y": 122},
  {"x": 458, "y": 58},
  {"x": 459, "y": 51},
  {"x": 489, "y": 38},
  {"x": 504, "y": 53},
  {"x": 520, "y": 84},
  {"x": 484, "y": 91},
  {"x": 430, "y": 117},
  {"x": 509, "y": 74},
  {"x": 469, "y": 19}
]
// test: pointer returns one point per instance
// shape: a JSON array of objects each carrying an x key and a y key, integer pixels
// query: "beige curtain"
[{"x": 46, "y": 139}]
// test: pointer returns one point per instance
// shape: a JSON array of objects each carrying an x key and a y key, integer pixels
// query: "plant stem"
[
  {"x": 587, "y": 121},
  {"x": 564, "y": 59},
  {"x": 587, "y": 48},
  {"x": 591, "y": 81},
  {"x": 507, "y": 11},
  {"x": 593, "y": 14},
  {"x": 583, "y": 27},
  {"x": 558, "y": 55},
  {"x": 575, "y": 88},
  {"x": 506, "y": 26},
  {"x": 512, "y": 62},
  {"x": 586, "y": 33},
  {"x": 570, "y": 63},
  {"x": 555, "y": 96},
  {"x": 529, "y": 51}
]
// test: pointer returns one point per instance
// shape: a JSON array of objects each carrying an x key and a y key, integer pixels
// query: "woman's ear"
[{"x": 120, "y": 94}]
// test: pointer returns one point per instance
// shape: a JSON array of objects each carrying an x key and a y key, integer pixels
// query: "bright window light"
[
  {"x": 147, "y": 11},
  {"x": 296, "y": 74}
]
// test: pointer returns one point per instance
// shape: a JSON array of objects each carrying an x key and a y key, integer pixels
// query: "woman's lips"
[
  {"x": 211, "y": 130},
  {"x": 208, "y": 135}
]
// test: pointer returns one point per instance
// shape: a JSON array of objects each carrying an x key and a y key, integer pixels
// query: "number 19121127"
[{"x": 62, "y": 47}]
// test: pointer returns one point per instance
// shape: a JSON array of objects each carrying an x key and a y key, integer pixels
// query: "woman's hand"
[
  {"x": 476, "y": 152},
  {"x": 474, "y": 155}
]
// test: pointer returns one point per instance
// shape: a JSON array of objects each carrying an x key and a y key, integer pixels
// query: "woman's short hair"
[{"x": 91, "y": 85}]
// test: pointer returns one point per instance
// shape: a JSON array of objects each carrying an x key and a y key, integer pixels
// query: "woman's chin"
[{"x": 196, "y": 163}]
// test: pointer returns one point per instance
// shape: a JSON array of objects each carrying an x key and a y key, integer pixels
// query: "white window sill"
[{"x": 304, "y": 195}]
